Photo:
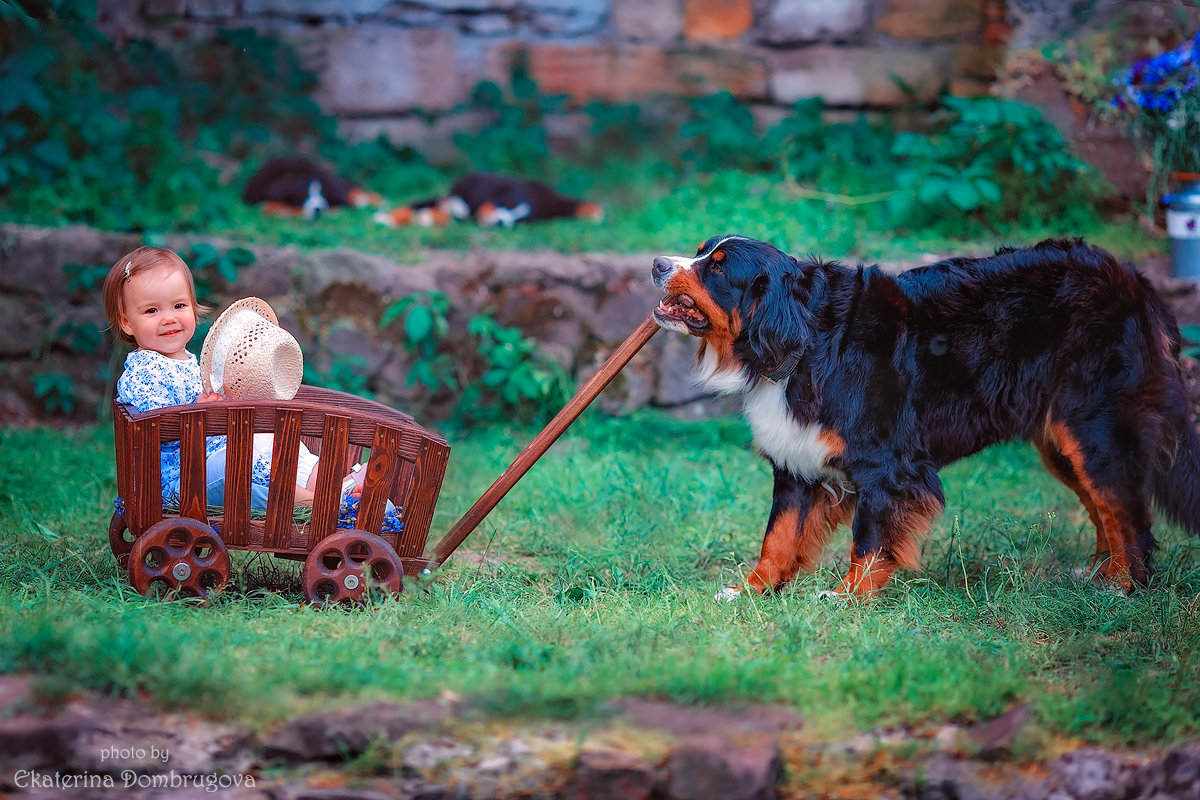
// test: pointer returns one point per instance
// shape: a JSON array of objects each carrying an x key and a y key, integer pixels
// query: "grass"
[
  {"x": 647, "y": 213},
  {"x": 597, "y": 583},
  {"x": 650, "y": 211}
]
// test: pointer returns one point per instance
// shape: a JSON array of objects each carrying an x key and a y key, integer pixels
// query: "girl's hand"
[{"x": 209, "y": 397}]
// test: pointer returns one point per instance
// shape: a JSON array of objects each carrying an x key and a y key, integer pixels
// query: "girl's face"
[{"x": 158, "y": 312}]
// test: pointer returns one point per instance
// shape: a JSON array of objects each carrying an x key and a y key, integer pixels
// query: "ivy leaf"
[
  {"x": 240, "y": 256},
  {"x": 52, "y": 153},
  {"x": 203, "y": 254},
  {"x": 987, "y": 189},
  {"x": 17, "y": 91},
  {"x": 395, "y": 311},
  {"x": 418, "y": 324},
  {"x": 964, "y": 195}
]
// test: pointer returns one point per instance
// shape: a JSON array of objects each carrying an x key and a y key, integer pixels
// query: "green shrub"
[
  {"x": 516, "y": 140},
  {"x": 498, "y": 373},
  {"x": 988, "y": 157},
  {"x": 127, "y": 137}
]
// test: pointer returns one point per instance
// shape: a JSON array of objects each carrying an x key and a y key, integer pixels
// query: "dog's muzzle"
[{"x": 664, "y": 268}]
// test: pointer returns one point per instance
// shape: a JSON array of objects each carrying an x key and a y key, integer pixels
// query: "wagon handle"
[{"x": 538, "y": 447}]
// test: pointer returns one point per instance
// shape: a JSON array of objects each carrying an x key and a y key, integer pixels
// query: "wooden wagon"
[{"x": 184, "y": 549}]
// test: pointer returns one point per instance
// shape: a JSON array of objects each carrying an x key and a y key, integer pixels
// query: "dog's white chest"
[{"x": 800, "y": 449}]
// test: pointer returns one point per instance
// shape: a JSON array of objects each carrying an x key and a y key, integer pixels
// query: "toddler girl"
[{"x": 150, "y": 303}]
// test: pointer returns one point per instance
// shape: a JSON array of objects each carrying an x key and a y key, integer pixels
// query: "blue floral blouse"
[{"x": 152, "y": 380}]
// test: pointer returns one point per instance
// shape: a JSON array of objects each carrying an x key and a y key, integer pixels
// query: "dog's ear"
[{"x": 776, "y": 317}]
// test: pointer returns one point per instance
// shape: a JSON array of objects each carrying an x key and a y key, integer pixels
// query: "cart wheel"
[
  {"x": 179, "y": 555},
  {"x": 338, "y": 568},
  {"x": 120, "y": 538}
]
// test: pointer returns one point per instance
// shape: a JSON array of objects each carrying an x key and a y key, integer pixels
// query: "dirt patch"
[{"x": 101, "y": 747}]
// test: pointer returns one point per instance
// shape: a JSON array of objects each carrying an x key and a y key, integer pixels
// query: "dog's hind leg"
[
  {"x": 802, "y": 516},
  {"x": 1110, "y": 481},
  {"x": 1060, "y": 467}
]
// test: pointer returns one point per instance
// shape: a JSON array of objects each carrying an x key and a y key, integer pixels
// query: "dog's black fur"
[
  {"x": 886, "y": 378},
  {"x": 297, "y": 185}
]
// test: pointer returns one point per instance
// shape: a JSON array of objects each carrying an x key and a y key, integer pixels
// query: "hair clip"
[{"x": 128, "y": 264}]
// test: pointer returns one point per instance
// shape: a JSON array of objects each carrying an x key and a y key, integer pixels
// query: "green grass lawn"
[
  {"x": 601, "y": 568},
  {"x": 647, "y": 213}
]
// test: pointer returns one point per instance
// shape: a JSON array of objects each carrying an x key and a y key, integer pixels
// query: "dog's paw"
[
  {"x": 727, "y": 594},
  {"x": 832, "y": 596},
  {"x": 384, "y": 218}
]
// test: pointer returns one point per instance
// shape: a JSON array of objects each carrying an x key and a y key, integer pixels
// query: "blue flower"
[
  {"x": 348, "y": 517},
  {"x": 1139, "y": 81}
]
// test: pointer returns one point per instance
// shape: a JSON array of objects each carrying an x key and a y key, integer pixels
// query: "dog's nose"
[{"x": 662, "y": 267}]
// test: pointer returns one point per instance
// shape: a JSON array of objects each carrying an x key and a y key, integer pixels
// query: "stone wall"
[
  {"x": 380, "y": 62},
  {"x": 578, "y": 308}
]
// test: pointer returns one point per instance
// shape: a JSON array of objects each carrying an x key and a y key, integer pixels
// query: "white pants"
[{"x": 214, "y": 469}]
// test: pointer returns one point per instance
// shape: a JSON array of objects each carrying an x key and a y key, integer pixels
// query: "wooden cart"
[{"x": 185, "y": 550}]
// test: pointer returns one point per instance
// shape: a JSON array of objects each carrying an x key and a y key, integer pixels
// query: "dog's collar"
[{"x": 784, "y": 370}]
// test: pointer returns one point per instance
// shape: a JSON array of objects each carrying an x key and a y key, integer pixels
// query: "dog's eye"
[{"x": 715, "y": 260}]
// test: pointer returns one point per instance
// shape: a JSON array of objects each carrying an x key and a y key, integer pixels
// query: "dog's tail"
[
  {"x": 1177, "y": 484},
  {"x": 1177, "y": 480}
]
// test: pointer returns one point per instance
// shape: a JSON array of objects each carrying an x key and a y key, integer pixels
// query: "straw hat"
[{"x": 247, "y": 356}]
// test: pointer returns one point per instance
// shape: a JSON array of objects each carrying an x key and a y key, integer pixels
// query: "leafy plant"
[
  {"x": 721, "y": 134},
  {"x": 80, "y": 336},
  {"x": 211, "y": 267},
  {"x": 986, "y": 155},
  {"x": 425, "y": 327},
  {"x": 1162, "y": 98},
  {"x": 85, "y": 277},
  {"x": 56, "y": 390},
  {"x": 122, "y": 137},
  {"x": 516, "y": 140},
  {"x": 518, "y": 382},
  {"x": 346, "y": 373},
  {"x": 499, "y": 372}
]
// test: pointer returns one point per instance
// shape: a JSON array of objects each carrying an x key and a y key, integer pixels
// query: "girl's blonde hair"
[{"x": 133, "y": 263}]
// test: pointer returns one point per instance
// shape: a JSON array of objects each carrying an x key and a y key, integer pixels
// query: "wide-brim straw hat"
[{"x": 247, "y": 356}]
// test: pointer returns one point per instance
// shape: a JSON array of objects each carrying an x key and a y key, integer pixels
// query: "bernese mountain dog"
[
  {"x": 860, "y": 385},
  {"x": 492, "y": 200},
  {"x": 297, "y": 186}
]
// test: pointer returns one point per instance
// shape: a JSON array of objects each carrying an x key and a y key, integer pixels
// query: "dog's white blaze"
[
  {"x": 679, "y": 262},
  {"x": 790, "y": 445},
  {"x": 456, "y": 207}
]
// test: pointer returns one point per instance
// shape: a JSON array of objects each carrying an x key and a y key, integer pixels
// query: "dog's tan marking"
[
  {"x": 793, "y": 544},
  {"x": 1115, "y": 537},
  {"x": 867, "y": 576}
]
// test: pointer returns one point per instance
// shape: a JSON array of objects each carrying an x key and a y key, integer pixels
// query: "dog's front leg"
[
  {"x": 802, "y": 516},
  {"x": 888, "y": 529}
]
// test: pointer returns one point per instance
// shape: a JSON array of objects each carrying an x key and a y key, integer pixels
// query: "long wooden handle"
[{"x": 538, "y": 447}]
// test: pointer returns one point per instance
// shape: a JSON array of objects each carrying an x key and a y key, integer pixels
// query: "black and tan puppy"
[
  {"x": 297, "y": 186},
  {"x": 861, "y": 385},
  {"x": 492, "y": 200}
]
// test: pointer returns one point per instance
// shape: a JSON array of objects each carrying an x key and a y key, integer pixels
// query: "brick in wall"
[
  {"x": 859, "y": 76},
  {"x": 641, "y": 21},
  {"x": 790, "y": 21},
  {"x": 931, "y": 20},
  {"x": 715, "y": 20},
  {"x": 385, "y": 70},
  {"x": 631, "y": 72}
]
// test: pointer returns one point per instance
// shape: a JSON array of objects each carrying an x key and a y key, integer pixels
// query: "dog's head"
[{"x": 744, "y": 298}]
